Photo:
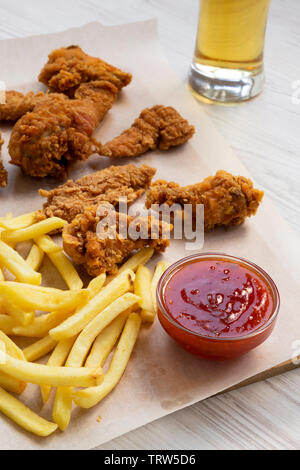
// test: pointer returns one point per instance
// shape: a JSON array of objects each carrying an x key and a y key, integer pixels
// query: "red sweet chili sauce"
[{"x": 218, "y": 298}]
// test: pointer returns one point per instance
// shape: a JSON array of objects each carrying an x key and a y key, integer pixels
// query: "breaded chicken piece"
[
  {"x": 159, "y": 127},
  {"x": 97, "y": 254},
  {"x": 46, "y": 141},
  {"x": 108, "y": 185},
  {"x": 3, "y": 172},
  {"x": 227, "y": 199},
  {"x": 69, "y": 67},
  {"x": 17, "y": 104}
]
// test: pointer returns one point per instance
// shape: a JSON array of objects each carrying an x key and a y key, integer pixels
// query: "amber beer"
[{"x": 229, "y": 47}]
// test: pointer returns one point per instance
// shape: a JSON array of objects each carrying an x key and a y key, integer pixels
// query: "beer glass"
[{"x": 228, "y": 59}]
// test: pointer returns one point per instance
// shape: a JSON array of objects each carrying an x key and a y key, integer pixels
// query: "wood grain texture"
[{"x": 265, "y": 135}]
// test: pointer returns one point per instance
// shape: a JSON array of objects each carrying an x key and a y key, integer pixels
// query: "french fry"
[
  {"x": 66, "y": 270},
  {"x": 39, "y": 349},
  {"x": 54, "y": 376},
  {"x": 57, "y": 358},
  {"x": 93, "y": 395},
  {"x": 7, "y": 324},
  {"x": 33, "y": 231},
  {"x": 35, "y": 257},
  {"x": 96, "y": 285},
  {"x": 1, "y": 275},
  {"x": 142, "y": 288},
  {"x": 61, "y": 413},
  {"x": 21, "y": 317},
  {"x": 42, "y": 324},
  {"x": 46, "y": 299},
  {"x": 74, "y": 324},
  {"x": 23, "y": 416},
  {"x": 11, "y": 385},
  {"x": 86, "y": 338},
  {"x": 159, "y": 270},
  {"x": 17, "y": 223},
  {"x": 47, "y": 245},
  {"x": 141, "y": 257},
  {"x": 106, "y": 341},
  {"x": 11, "y": 348},
  {"x": 17, "y": 265}
]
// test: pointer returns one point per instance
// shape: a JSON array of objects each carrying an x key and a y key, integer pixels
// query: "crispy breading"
[
  {"x": 159, "y": 127},
  {"x": 69, "y": 67},
  {"x": 227, "y": 199},
  {"x": 87, "y": 245},
  {"x": 16, "y": 104},
  {"x": 108, "y": 185},
  {"x": 3, "y": 172},
  {"x": 46, "y": 141}
]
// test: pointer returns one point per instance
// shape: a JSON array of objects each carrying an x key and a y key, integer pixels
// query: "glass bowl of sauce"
[{"x": 217, "y": 306}]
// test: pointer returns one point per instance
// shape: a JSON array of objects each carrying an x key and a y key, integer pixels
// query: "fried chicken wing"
[
  {"x": 85, "y": 244},
  {"x": 16, "y": 104},
  {"x": 3, "y": 172},
  {"x": 108, "y": 185},
  {"x": 227, "y": 199},
  {"x": 46, "y": 141},
  {"x": 69, "y": 67},
  {"x": 158, "y": 127}
]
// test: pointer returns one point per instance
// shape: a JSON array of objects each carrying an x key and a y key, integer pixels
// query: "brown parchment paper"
[{"x": 160, "y": 378}]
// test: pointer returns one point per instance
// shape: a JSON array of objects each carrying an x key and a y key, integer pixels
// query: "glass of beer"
[{"x": 228, "y": 60}]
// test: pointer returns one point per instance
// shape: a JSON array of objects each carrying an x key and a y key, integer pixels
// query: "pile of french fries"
[{"x": 79, "y": 327}]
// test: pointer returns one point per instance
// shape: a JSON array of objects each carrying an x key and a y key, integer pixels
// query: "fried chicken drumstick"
[
  {"x": 46, "y": 141},
  {"x": 3, "y": 172},
  {"x": 97, "y": 254},
  {"x": 227, "y": 199},
  {"x": 69, "y": 67},
  {"x": 159, "y": 127},
  {"x": 108, "y": 185}
]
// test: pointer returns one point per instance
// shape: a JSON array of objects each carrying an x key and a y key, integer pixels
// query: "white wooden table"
[{"x": 265, "y": 134}]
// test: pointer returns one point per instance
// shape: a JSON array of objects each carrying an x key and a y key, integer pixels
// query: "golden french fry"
[
  {"x": 141, "y": 257},
  {"x": 11, "y": 385},
  {"x": 46, "y": 299},
  {"x": 1, "y": 275},
  {"x": 35, "y": 257},
  {"x": 7, "y": 324},
  {"x": 93, "y": 395},
  {"x": 39, "y": 349},
  {"x": 11, "y": 348},
  {"x": 106, "y": 341},
  {"x": 160, "y": 268},
  {"x": 86, "y": 338},
  {"x": 17, "y": 265},
  {"x": 33, "y": 231},
  {"x": 41, "y": 325},
  {"x": 66, "y": 270},
  {"x": 142, "y": 288},
  {"x": 21, "y": 317},
  {"x": 54, "y": 376},
  {"x": 96, "y": 285},
  {"x": 23, "y": 416},
  {"x": 17, "y": 223},
  {"x": 61, "y": 413},
  {"x": 57, "y": 358},
  {"x": 74, "y": 324},
  {"x": 47, "y": 245}
]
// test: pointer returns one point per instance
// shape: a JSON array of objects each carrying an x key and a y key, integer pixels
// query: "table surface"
[{"x": 265, "y": 135}]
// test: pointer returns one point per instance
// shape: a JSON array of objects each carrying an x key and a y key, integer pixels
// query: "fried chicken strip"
[
  {"x": 108, "y": 185},
  {"x": 83, "y": 242},
  {"x": 227, "y": 199},
  {"x": 158, "y": 127},
  {"x": 3, "y": 172},
  {"x": 69, "y": 67},
  {"x": 46, "y": 141},
  {"x": 16, "y": 104}
]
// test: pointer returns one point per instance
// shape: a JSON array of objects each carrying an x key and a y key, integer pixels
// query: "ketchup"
[{"x": 218, "y": 298}]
